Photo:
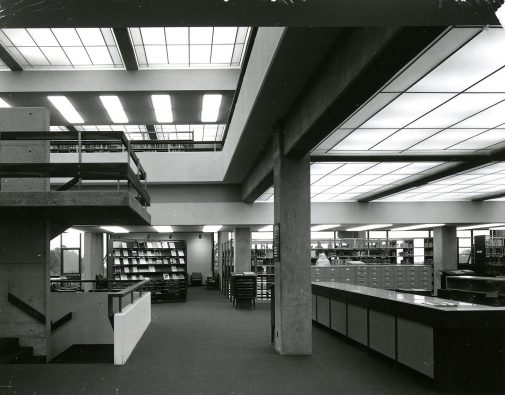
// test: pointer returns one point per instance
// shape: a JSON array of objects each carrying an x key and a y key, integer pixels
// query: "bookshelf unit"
[
  {"x": 228, "y": 266},
  {"x": 163, "y": 262},
  {"x": 377, "y": 251},
  {"x": 262, "y": 263},
  {"x": 489, "y": 255}
]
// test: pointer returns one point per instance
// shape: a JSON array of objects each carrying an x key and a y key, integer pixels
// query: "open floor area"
[{"x": 205, "y": 346}]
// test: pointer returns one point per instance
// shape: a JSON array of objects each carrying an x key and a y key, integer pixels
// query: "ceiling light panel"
[
  {"x": 369, "y": 227},
  {"x": 63, "y": 48},
  {"x": 318, "y": 228},
  {"x": 404, "y": 139},
  {"x": 66, "y": 109},
  {"x": 163, "y": 229},
  {"x": 162, "y": 108},
  {"x": 445, "y": 139},
  {"x": 482, "y": 140},
  {"x": 3, "y": 103},
  {"x": 420, "y": 226},
  {"x": 189, "y": 47},
  {"x": 211, "y": 104},
  {"x": 363, "y": 139},
  {"x": 114, "y": 108},
  {"x": 474, "y": 61},
  {"x": 195, "y": 132}
]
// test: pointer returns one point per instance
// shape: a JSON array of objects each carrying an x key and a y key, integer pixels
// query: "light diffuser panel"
[
  {"x": 66, "y": 108},
  {"x": 162, "y": 108},
  {"x": 404, "y": 139},
  {"x": 445, "y": 139},
  {"x": 482, "y": 140},
  {"x": 114, "y": 108},
  {"x": 211, "y": 105},
  {"x": 362, "y": 139}
]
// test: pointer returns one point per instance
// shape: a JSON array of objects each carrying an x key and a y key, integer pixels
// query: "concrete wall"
[
  {"x": 89, "y": 324},
  {"x": 129, "y": 326}
]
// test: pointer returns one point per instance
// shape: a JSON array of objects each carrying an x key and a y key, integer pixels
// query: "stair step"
[{"x": 8, "y": 344}]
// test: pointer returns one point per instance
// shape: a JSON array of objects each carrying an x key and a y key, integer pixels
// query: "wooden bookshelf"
[
  {"x": 163, "y": 262},
  {"x": 228, "y": 266}
]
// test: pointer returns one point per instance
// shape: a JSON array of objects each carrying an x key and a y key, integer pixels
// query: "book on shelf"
[
  {"x": 173, "y": 261},
  {"x": 150, "y": 261},
  {"x": 142, "y": 253},
  {"x": 165, "y": 261},
  {"x": 150, "y": 253},
  {"x": 117, "y": 261},
  {"x": 149, "y": 245},
  {"x": 166, "y": 276},
  {"x": 117, "y": 252},
  {"x": 143, "y": 261},
  {"x": 173, "y": 252},
  {"x": 164, "y": 244},
  {"x": 173, "y": 268},
  {"x": 180, "y": 252},
  {"x": 123, "y": 277},
  {"x": 134, "y": 277},
  {"x": 159, "y": 261},
  {"x": 134, "y": 253},
  {"x": 181, "y": 261},
  {"x": 126, "y": 269},
  {"x": 116, "y": 244},
  {"x": 152, "y": 268},
  {"x": 123, "y": 244},
  {"x": 172, "y": 245},
  {"x": 134, "y": 269}
]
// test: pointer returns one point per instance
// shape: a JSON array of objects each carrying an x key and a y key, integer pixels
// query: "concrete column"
[
  {"x": 293, "y": 307},
  {"x": 445, "y": 252},
  {"x": 24, "y": 240},
  {"x": 242, "y": 249},
  {"x": 92, "y": 263},
  {"x": 221, "y": 238}
]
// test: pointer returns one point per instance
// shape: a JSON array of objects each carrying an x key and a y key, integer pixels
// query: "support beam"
[
  {"x": 423, "y": 180},
  {"x": 152, "y": 132},
  {"x": 119, "y": 81},
  {"x": 359, "y": 64},
  {"x": 77, "y": 13},
  {"x": 261, "y": 176},
  {"x": 9, "y": 60},
  {"x": 126, "y": 48}
]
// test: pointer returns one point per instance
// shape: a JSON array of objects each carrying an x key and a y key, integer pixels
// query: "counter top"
[{"x": 410, "y": 299}]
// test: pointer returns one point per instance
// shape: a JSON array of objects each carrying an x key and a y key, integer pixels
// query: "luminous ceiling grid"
[
  {"x": 419, "y": 133},
  {"x": 465, "y": 185},
  {"x": 132, "y": 132},
  {"x": 193, "y": 47},
  {"x": 68, "y": 48}
]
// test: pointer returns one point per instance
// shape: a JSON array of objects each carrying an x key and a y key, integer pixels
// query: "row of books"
[
  {"x": 148, "y": 253},
  {"x": 151, "y": 268},
  {"x": 166, "y": 276},
  {"x": 149, "y": 261},
  {"x": 143, "y": 244}
]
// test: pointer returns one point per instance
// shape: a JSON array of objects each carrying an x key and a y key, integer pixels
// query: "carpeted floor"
[{"x": 205, "y": 346}]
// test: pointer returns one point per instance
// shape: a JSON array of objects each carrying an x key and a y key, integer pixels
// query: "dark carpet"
[{"x": 205, "y": 346}]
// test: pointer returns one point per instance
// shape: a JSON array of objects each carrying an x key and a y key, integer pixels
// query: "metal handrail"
[{"x": 140, "y": 286}]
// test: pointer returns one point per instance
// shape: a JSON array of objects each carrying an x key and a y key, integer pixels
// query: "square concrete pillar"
[
  {"x": 24, "y": 240},
  {"x": 293, "y": 307},
  {"x": 222, "y": 237},
  {"x": 92, "y": 263},
  {"x": 242, "y": 249},
  {"x": 445, "y": 252}
]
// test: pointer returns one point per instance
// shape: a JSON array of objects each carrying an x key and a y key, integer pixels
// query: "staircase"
[{"x": 11, "y": 352}]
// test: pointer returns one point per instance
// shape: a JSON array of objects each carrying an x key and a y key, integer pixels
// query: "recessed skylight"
[
  {"x": 268, "y": 228},
  {"x": 211, "y": 104},
  {"x": 66, "y": 108},
  {"x": 62, "y": 48},
  {"x": 115, "y": 229},
  {"x": 189, "y": 47},
  {"x": 163, "y": 229},
  {"x": 114, "y": 108},
  {"x": 162, "y": 108},
  {"x": 420, "y": 226},
  {"x": 369, "y": 227},
  {"x": 318, "y": 228},
  {"x": 3, "y": 103},
  {"x": 211, "y": 228}
]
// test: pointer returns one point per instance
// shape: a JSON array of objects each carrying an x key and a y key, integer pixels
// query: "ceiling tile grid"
[
  {"x": 189, "y": 47},
  {"x": 450, "y": 99},
  {"x": 65, "y": 48}
]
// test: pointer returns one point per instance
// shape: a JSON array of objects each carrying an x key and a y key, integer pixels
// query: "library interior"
[{"x": 245, "y": 197}]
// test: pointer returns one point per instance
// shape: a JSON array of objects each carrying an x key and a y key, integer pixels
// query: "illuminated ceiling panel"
[
  {"x": 133, "y": 132},
  {"x": 462, "y": 186},
  {"x": 65, "y": 48},
  {"x": 189, "y": 47},
  {"x": 201, "y": 132},
  {"x": 451, "y": 98}
]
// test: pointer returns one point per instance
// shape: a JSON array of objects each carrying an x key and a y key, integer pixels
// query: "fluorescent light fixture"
[
  {"x": 114, "y": 108},
  {"x": 268, "y": 228},
  {"x": 115, "y": 229},
  {"x": 3, "y": 103},
  {"x": 163, "y": 229},
  {"x": 369, "y": 227},
  {"x": 421, "y": 226},
  {"x": 210, "y": 107},
  {"x": 163, "y": 108},
  {"x": 318, "y": 228},
  {"x": 211, "y": 228},
  {"x": 66, "y": 108},
  {"x": 481, "y": 226}
]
